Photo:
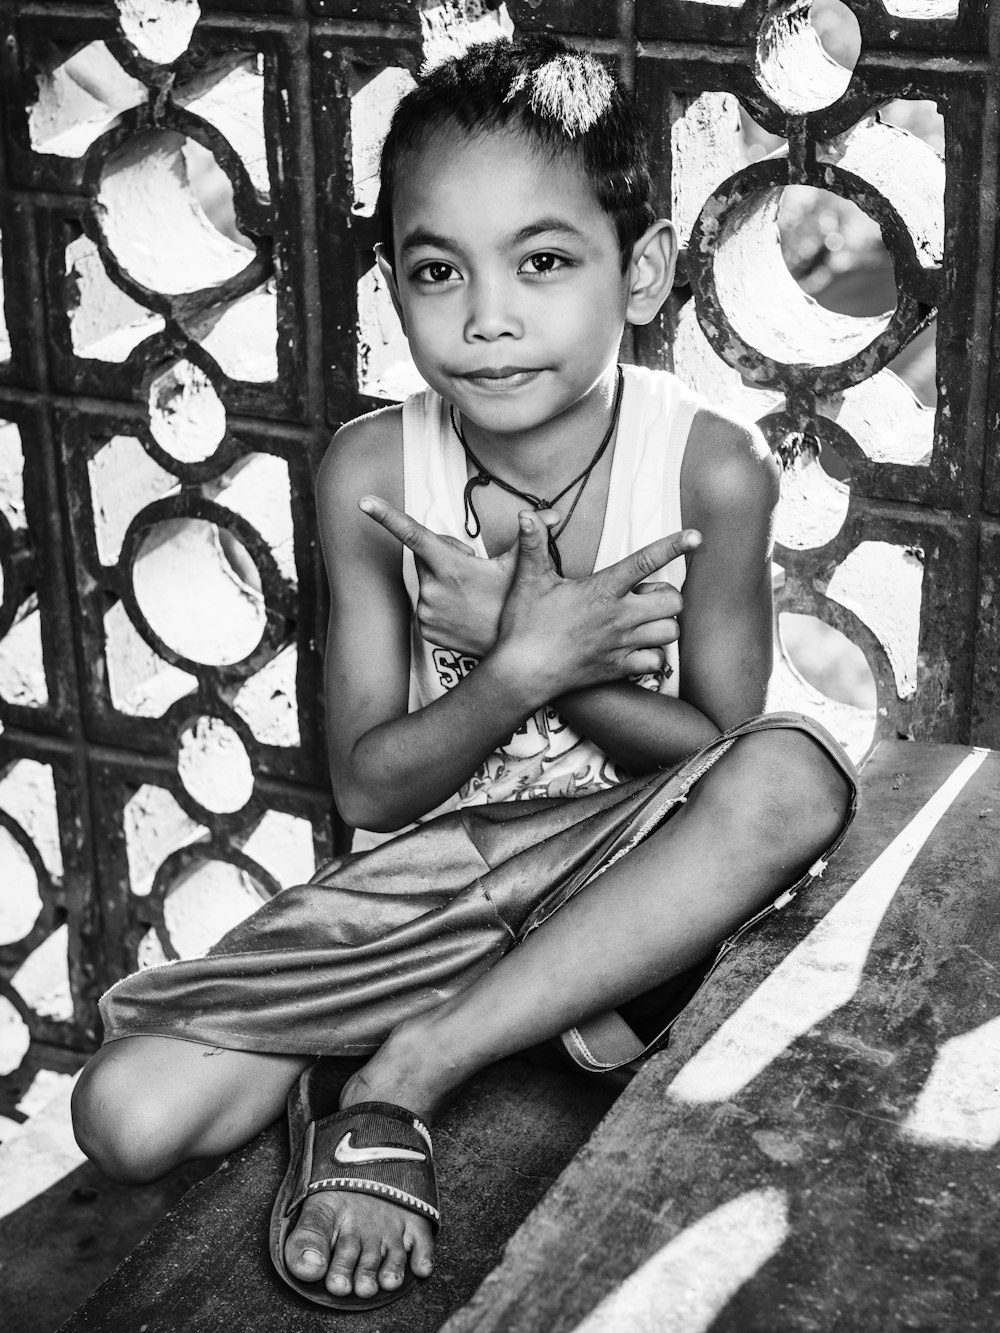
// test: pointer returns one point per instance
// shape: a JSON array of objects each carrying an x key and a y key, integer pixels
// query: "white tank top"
[{"x": 546, "y": 757}]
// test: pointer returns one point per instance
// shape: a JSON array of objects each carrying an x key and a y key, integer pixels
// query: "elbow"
[{"x": 361, "y": 809}]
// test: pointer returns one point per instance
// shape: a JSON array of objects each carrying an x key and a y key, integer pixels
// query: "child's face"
[{"x": 508, "y": 278}]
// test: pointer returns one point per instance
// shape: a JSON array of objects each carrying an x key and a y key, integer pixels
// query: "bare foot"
[{"x": 355, "y": 1242}]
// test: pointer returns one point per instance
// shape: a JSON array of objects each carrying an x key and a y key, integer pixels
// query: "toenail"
[
  {"x": 312, "y": 1256},
  {"x": 341, "y": 1282}
]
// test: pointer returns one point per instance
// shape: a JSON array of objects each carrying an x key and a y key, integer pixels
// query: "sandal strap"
[
  {"x": 376, "y": 1187},
  {"x": 370, "y": 1148}
]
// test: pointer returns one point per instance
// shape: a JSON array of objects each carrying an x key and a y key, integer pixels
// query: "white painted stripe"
[
  {"x": 819, "y": 975},
  {"x": 682, "y": 1288},
  {"x": 960, "y": 1102},
  {"x": 44, "y": 1153}
]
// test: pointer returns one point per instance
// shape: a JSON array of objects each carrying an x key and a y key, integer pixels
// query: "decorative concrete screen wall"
[{"x": 191, "y": 305}]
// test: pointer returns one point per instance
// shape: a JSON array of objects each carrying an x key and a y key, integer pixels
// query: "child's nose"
[{"x": 493, "y": 311}]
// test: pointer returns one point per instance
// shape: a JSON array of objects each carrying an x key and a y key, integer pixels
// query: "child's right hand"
[{"x": 561, "y": 634}]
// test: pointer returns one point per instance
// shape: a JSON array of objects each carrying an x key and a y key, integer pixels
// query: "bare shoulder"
[
  {"x": 728, "y": 470},
  {"x": 365, "y": 455}
]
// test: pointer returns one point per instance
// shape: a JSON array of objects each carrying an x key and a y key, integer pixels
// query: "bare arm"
[
  {"x": 390, "y": 766},
  {"x": 729, "y": 488}
]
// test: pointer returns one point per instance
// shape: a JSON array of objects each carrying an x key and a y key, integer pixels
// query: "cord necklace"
[{"x": 484, "y": 476}]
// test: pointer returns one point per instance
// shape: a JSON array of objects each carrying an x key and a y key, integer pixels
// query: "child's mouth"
[{"x": 502, "y": 379}]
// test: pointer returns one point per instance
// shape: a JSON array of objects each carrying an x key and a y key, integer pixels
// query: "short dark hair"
[{"x": 563, "y": 100}]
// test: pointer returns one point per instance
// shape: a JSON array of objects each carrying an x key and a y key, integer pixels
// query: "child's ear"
[
  {"x": 385, "y": 268},
  {"x": 651, "y": 271}
]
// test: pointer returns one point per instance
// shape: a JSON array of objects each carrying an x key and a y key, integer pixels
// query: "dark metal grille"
[{"x": 191, "y": 308}]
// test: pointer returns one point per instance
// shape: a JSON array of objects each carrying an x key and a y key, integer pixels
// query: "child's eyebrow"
[
  {"x": 421, "y": 237},
  {"x": 544, "y": 226}
]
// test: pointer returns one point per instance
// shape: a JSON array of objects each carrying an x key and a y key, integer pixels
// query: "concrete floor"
[{"x": 64, "y": 1227}]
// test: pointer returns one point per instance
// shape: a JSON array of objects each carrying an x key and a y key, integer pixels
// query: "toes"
[
  {"x": 366, "y": 1273},
  {"x": 340, "y": 1275},
  {"x": 390, "y": 1275},
  {"x": 307, "y": 1250},
  {"x": 419, "y": 1240}
]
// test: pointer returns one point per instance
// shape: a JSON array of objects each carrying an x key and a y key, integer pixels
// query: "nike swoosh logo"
[{"x": 346, "y": 1154}]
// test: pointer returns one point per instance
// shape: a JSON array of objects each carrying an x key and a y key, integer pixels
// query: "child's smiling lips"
[{"x": 500, "y": 377}]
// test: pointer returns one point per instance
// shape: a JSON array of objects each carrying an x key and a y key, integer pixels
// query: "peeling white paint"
[
  {"x": 191, "y": 595},
  {"x": 154, "y": 223},
  {"x": 921, "y": 9},
  {"x": 79, "y": 100},
  {"x": 881, "y": 583},
  {"x": 793, "y": 68},
  {"x": 258, "y": 488},
  {"x": 22, "y": 665},
  {"x": 813, "y": 504},
  {"x": 385, "y": 367},
  {"x": 14, "y": 1042},
  {"x": 155, "y": 826},
  {"x": 42, "y": 980},
  {"x": 210, "y": 899},
  {"x": 214, "y": 766},
  {"x": 140, "y": 682},
  {"x": 268, "y": 701},
  {"x": 886, "y": 419},
  {"x": 12, "y": 476},
  {"x": 903, "y": 169},
  {"x": 959, "y": 1105},
  {"x": 242, "y": 336},
  {"x": 701, "y": 368},
  {"x": 160, "y": 30},
  {"x": 283, "y": 845},
  {"x": 230, "y": 97},
  {"x": 685, "y": 1285},
  {"x": 821, "y": 974},
  {"x": 451, "y": 26},
  {"x": 105, "y": 323},
  {"x": 123, "y": 481},
  {"x": 186, "y": 416},
  {"x": 707, "y": 143},
  {"x": 371, "y": 110},
  {"x": 28, "y": 794}
]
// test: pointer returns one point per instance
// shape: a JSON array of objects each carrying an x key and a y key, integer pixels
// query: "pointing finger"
[
  {"x": 627, "y": 573},
  {"x": 405, "y": 529}
]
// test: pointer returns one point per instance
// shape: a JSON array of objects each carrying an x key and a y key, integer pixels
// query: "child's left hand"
[{"x": 461, "y": 594}]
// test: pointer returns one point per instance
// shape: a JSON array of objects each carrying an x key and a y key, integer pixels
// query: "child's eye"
[
  {"x": 435, "y": 272},
  {"x": 543, "y": 262}
]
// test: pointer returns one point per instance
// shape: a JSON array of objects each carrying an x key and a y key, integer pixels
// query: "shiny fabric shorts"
[{"x": 332, "y": 966}]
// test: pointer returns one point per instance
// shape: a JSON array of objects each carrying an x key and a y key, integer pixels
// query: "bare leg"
[
  {"x": 753, "y": 824},
  {"x": 143, "y": 1105}
]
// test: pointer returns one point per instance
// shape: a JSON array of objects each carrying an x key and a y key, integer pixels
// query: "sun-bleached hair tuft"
[
  {"x": 572, "y": 90},
  {"x": 560, "y": 102}
]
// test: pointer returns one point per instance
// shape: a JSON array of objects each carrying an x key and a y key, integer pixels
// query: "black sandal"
[{"x": 371, "y": 1148}]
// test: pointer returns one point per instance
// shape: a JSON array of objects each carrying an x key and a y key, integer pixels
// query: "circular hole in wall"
[
  {"x": 214, "y": 766},
  {"x": 191, "y": 591},
  {"x": 765, "y": 301},
  {"x": 152, "y": 209},
  {"x": 805, "y": 57},
  {"x": 835, "y": 252}
]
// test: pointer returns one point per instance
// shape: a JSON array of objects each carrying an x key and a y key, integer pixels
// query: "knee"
[
  {"x": 787, "y": 787},
  {"x": 120, "y": 1125}
]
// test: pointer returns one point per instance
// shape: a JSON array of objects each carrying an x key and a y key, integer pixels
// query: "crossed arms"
[{"x": 540, "y": 639}]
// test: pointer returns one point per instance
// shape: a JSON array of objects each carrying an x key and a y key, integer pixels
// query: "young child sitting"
[{"x": 506, "y": 553}]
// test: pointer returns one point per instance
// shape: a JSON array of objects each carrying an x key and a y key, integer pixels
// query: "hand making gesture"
[{"x": 572, "y": 632}]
